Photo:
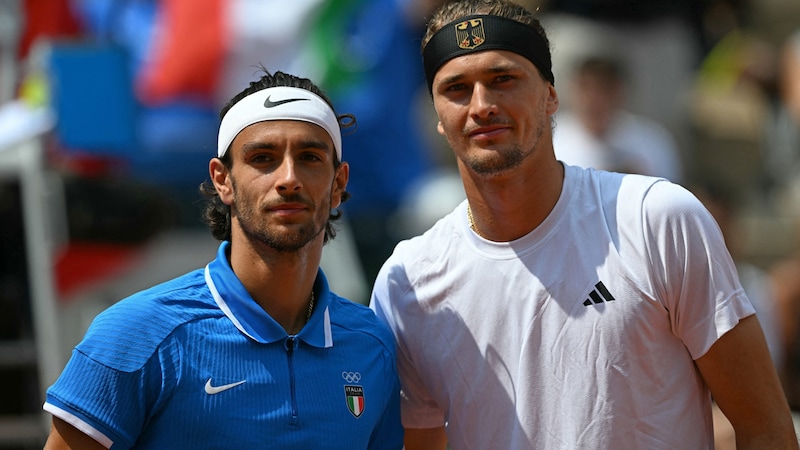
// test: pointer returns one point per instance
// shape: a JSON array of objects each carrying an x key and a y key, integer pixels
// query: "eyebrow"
[
  {"x": 451, "y": 79},
  {"x": 257, "y": 145},
  {"x": 500, "y": 68},
  {"x": 248, "y": 147}
]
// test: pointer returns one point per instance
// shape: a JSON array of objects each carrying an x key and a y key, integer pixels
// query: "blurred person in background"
[
  {"x": 782, "y": 134},
  {"x": 561, "y": 307},
  {"x": 659, "y": 43},
  {"x": 254, "y": 351},
  {"x": 598, "y": 132}
]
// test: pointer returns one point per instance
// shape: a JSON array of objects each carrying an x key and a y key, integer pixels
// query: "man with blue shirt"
[{"x": 254, "y": 350}]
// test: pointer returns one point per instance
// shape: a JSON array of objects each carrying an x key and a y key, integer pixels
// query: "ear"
[
  {"x": 440, "y": 128},
  {"x": 552, "y": 100},
  {"x": 339, "y": 184},
  {"x": 220, "y": 176}
]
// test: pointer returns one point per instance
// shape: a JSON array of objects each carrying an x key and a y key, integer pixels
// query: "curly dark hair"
[{"x": 216, "y": 214}]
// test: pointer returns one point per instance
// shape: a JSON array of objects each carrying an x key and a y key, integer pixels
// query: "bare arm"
[
  {"x": 742, "y": 379},
  {"x": 64, "y": 436},
  {"x": 425, "y": 439}
]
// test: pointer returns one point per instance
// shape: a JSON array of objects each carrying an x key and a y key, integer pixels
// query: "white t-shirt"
[{"x": 581, "y": 334}]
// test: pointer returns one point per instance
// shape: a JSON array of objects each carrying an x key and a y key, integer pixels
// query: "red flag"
[{"x": 188, "y": 52}]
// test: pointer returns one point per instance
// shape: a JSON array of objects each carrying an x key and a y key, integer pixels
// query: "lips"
[
  {"x": 288, "y": 208},
  {"x": 488, "y": 132}
]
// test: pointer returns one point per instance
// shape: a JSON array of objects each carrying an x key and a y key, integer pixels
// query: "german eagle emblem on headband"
[{"x": 469, "y": 33}]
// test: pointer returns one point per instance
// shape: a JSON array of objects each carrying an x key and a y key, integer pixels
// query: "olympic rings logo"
[{"x": 351, "y": 377}]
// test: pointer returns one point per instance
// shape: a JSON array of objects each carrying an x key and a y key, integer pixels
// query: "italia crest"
[
  {"x": 470, "y": 34},
  {"x": 354, "y": 396}
]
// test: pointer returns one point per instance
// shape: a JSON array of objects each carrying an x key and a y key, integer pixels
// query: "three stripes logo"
[{"x": 598, "y": 295}]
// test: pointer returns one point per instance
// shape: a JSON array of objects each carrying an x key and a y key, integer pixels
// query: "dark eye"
[
  {"x": 310, "y": 156},
  {"x": 260, "y": 158},
  {"x": 455, "y": 87}
]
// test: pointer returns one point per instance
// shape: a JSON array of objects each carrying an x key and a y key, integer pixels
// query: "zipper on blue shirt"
[{"x": 291, "y": 344}]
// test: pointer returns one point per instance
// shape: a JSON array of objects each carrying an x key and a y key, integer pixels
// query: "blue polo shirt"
[{"x": 195, "y": 363}]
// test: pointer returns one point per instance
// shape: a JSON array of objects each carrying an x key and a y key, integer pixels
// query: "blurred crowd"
[{"x": 705, "y": 93}]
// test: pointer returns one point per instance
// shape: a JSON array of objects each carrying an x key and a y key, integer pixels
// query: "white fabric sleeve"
[
  {"x": 417, "y": 407},
  {"x": 691, "y": 267}
]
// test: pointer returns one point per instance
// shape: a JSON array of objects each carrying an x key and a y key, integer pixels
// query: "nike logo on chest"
[{"x": 211, "y": 390}]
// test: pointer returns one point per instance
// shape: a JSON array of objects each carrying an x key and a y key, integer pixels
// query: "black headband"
[{"x": 477, "y": 33}]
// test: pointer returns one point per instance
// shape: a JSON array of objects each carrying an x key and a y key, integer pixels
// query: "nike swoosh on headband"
[
  {"x": 211, "y": 390},
  {"x": 259, "y": 106},
  {"x": 268, "y": 103}
]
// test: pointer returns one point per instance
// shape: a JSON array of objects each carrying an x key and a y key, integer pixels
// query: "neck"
[
  {"x": 280, "y": 283},
  {"x": 506, "y": 208}
]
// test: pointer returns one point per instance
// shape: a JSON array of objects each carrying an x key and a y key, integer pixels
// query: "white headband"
[{"x": 278, "y": 103}]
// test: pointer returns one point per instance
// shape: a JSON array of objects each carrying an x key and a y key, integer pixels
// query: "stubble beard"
[
  {"x": 498, "y": 163},
  {"x": 502, "y": 160},
  {"x": 253, "y": 223}
]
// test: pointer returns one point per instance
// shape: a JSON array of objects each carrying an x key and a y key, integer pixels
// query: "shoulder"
[
  {"x": 350, "y": 317},
  {"x": 609, "y": 188},
  {"x": 426, "y": 253},
  {"x": 667, "y": 219},
  {"x": 436, "y": 240},
  {"x": 665, "y": 200},
  {"x": 630, "y": 199},
  {"x": 654, "y": 193},
  {"x": 130, "y": 331}
]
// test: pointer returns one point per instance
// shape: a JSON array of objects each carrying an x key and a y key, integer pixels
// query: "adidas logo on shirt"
[{"x": 599, "y": 295}]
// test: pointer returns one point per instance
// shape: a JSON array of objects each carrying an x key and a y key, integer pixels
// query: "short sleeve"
[
  {"x": 418, "y": 407},
  {"x": 110, "y": 402},
  {"x": 694, "y": 274}
]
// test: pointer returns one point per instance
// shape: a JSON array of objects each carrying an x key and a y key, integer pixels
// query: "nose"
[
  {"x": 286, "y": 175},
  {"x": 482, "y": 102}
]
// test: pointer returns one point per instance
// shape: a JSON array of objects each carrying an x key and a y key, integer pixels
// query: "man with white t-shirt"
[{"x": 560, "y": 307}]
